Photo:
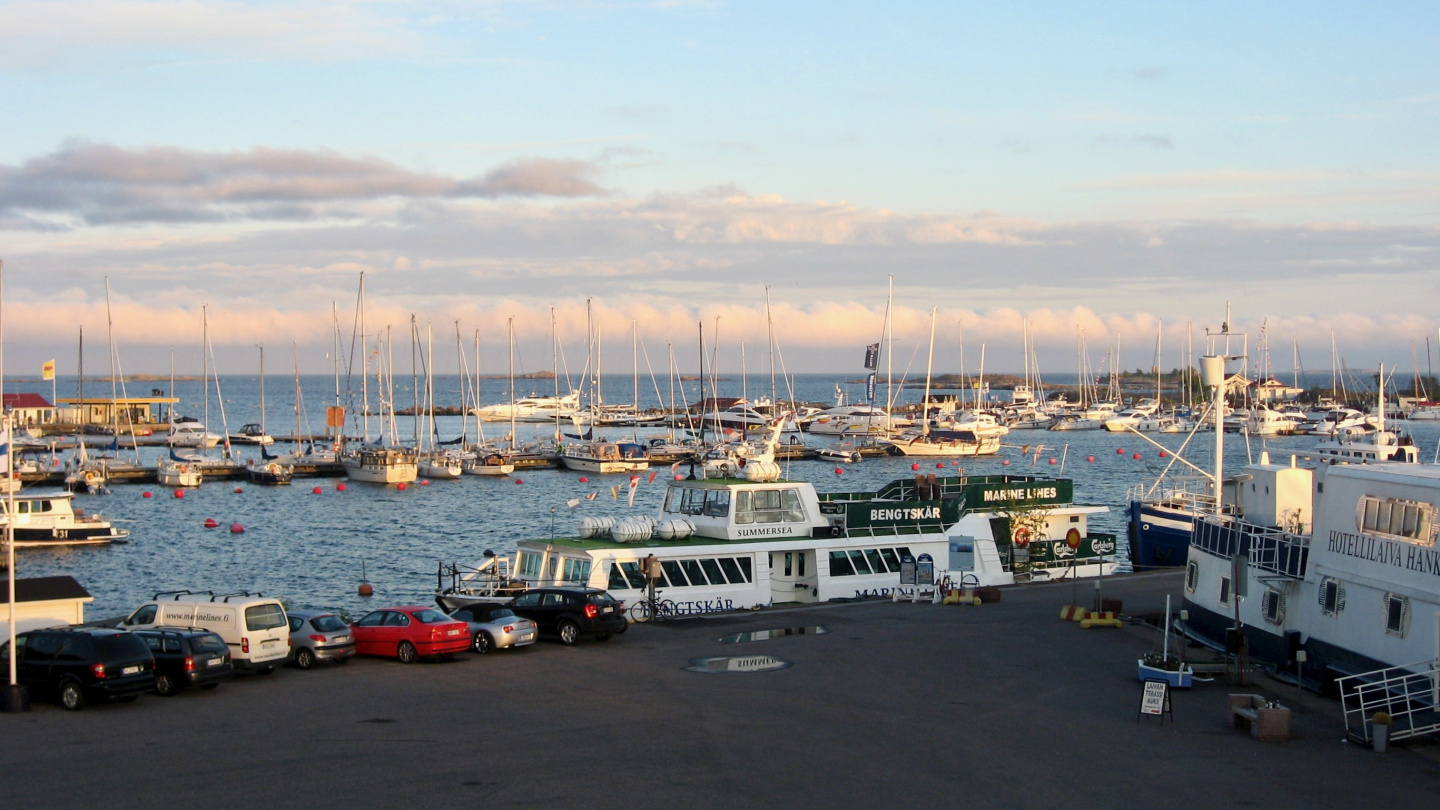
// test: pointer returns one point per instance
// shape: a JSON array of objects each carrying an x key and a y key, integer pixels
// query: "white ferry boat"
[
  {"x": 726, "y": 544},
  {"x": 1359, "y": 595}
]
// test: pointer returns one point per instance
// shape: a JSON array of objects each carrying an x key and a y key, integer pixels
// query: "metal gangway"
[{"x": 1410, "y": 694}]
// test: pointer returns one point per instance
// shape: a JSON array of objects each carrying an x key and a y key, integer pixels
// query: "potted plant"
[{"x": 1162, "y": 666}]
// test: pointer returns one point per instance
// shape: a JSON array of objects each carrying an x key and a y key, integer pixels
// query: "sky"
[{"x": 1116, "y": 168}]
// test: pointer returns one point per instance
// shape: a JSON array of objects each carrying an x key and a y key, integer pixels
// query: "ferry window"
[
  {"x": 872, "y": 556},
  {"x": 1273, "y": 606},
  {"x": 529, "y": 564},
  {"x": 1397, "y": 615},
  {"x": 1225, "y": 590},
  {"x": 744, "y": 563},
  {"x": 554, "y": 566},
  {"x": 617, "y": 580},
  {"x": 673, "y": 573},
  {"x": 744, "y": 513},
  {"x": 672, "y": 503},
  {"x": 693, "y": 572},
  {"x": 717, "y": 503},
  {"x": 891, "y": 561},
  {"x": 732, "y": 571},
  {"x": 840, "y": 565},
  {"x": 1192, "y": 576},
  {"x": 800, "y": 565},
  {"x": 47, "y": 506},
  {"x": 712, "y": 570},
  {"x": 1332, "y": 597},
  {"x": 903, "y": 551},
  {"x": 789, "y": 561},
  {"x": 692, "y": 502},
  {"x": 632, "y": 574},
  {"x": 791, "y": 501},
  {"x": 857, "y": 559},
  {"x": 1410, "y": 521}
]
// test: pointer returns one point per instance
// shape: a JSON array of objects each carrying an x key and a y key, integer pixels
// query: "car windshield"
[
  {"x": 264, "y": 617},
  {"x": 327, "y": 623},
  {"x": 121, "y": 645},
  {"x": 429, "y": 616},
  {"x": 208, "y": 643}
]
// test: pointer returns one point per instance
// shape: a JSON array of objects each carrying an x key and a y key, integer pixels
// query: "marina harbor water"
[{"x": 310, "y": 548}]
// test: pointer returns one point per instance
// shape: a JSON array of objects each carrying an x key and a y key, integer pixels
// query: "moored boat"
[{"x": 50, "y": 519}]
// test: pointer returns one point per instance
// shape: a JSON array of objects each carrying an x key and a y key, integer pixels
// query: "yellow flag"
[{"x": 47, "y": 371}]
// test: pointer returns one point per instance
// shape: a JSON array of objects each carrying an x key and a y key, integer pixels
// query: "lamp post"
[{"x": 13, "y": 698}]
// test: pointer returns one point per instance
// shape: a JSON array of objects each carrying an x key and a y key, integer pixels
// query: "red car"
[{"x": 408, "y": 632}]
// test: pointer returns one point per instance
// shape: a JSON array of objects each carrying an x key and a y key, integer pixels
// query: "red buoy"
[
  {"x": 402, "y": 486},
  {"x": 238, "y": 490},
  {"x": 939, "y": 465},
  {"x": 316, "y": 490},
  {"x": 1005, "y": 463},
  {"x": 1136, "y": 456},
  {"x": 679, "y": 477},
  {"x": 366, "y": 589},
  {"x": 1162, "y": 454},
  {"x": 146, "y": 494},
  {"x": 179, "y": 493},
  {"x": 1052, "y": 461},
  {"x": 519, "y": 481},
  {"x": 1089, "y": 458},
  {"x": 914, "y": 466},
  {"x": 839, "y": 471},
  {"x": 211, "y": 523},
  {"x": 584, "y": 480},
  {"x": 340, "y": 487},
  {"x": 425, "y": 483},
  {"x": 236, "y": 528},
  {"x": 1119, "y": 451}
]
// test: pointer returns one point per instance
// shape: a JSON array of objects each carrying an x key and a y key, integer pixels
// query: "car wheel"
[
  {"x": 342, "y": 660},
  {"x": 603, "y": 636},
  {"x": 72, "y": 697},
  {"x": 623, "y": 627},
  {"x": 483, "y": 643},
  {"x": 406, "y": 653},
  {"x": 165, "y": 686},
  {"x": 304, "y": 658},
  {"x": 569, "y": 632}
]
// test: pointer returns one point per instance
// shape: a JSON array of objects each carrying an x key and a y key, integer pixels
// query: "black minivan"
[
  {"x": 571, "y": 612},
  {"x": 79, "y": 664},
  {"x": 187, "y": 657}
]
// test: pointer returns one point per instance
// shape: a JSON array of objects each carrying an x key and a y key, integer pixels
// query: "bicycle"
[{"x": 653, "y": 608}]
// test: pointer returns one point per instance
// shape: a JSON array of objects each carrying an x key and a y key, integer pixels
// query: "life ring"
[
  {"x": 89, "y": 476},
  {"x": 1022, "y": 537},
  {"x": 183, "y": 469},
  {"x": 335, "y": 447}
]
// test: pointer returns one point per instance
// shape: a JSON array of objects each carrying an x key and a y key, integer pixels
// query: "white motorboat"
[
  {"x": 187, "y": 431},
  {"x": 50, "y": 519},
  {"x": 604, "y": 457},
  {"x": 252, "y": 433},
  {"x": 381, "y": 465},
  {"x": 848, "y": 420},
  {"x": 1266, "y": 421},
  {"x": 530, "y": 409},
  {"x": 442, "y": 465}
]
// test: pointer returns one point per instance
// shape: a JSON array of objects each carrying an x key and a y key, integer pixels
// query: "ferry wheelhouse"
[{"x": 726, "y": 544}]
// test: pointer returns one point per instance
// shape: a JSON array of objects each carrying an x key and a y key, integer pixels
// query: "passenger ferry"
[
  {"x": 730, "y": 543},
  {"x": 1360, "y": 593}
]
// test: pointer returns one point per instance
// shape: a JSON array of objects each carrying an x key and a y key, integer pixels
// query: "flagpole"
[{"x": 15, "y": 698}]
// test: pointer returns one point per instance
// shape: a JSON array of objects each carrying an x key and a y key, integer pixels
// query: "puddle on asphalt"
[
  {"x": 766, "y": 635},
  {"x": 737, "y": 663}
]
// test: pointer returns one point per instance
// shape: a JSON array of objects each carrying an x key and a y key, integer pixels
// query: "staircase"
[{"x": 1410, "y": 694}]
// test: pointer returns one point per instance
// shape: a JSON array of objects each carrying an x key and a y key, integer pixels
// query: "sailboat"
[
  {"x": 927, "y": 442},
  {"x": 271, "y": 470},
  {"x": 81, "y": 471},
  {"x": 481, "y": 458},
  {"x": 587, "y": 454},
  {"x": 434, "y": 462},
  {"x": 384, "y": 462}
]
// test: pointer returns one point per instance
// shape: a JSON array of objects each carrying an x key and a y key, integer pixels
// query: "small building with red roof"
[{"x": 30, "y": 409}]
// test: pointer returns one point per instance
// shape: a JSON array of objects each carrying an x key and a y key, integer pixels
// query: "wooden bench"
[{"x": 1250, "y": 712}]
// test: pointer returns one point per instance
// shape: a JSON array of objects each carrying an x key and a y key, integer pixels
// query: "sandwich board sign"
[
  {"x": 907, "y": 569},
  {"x": 1155, "y": 700},
  {"x": 924, "y": 570}
]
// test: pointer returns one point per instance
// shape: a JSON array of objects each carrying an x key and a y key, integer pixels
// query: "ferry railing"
[
  {"x": 1273, "y": 550},
  {"x": 1189, "y": 493},
  {"x": 1410, "y": 694}
]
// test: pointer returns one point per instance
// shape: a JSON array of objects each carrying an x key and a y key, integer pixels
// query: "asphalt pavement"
[{"x": 1001, "y": 705}]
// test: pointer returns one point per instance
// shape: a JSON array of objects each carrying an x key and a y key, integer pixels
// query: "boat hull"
[{"x": 1159, "y": 536}]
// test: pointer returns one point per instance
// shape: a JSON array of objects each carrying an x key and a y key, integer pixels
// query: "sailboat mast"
[
  {"x": 701, "y": 326},
  {"x": 929, "y": 367},
  {"x": 510, "y": 331},
  {"x": 364, "y": 366},
  {"x": 262, "y": 389},
  {"x": 205, "y": 365},
  {"x": 110, "y": 336},
  {"x": 890, "y": 352},
  {"x": 295, "y": 352},
  {"x": 770, "y": 340},
  {"x": 1159, "y": 359}
]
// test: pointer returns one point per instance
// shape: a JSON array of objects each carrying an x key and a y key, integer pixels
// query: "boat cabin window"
[
  {"x": 713, "y": 502},
  {"x": 1225, "y": 591},
  {"x": 860, "y": 562},
  {"x": 577, "y": 569},
  {"x": 768, "y": 506},
  {"x": 686, "y": 573},
  {"x": 1332, "y": 597},
  {"x": 1397, "y": 614},
  {"x": 1192, "y": 575},
  {"x": 1410, "y": 521},
  {"x": 529, "y": 564},
  {"x": 717, "y": 503}
]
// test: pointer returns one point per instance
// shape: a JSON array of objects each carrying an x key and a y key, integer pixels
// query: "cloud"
[
  {"x": 1156, "y": 141},
  {"x": 99, "y": 183}
]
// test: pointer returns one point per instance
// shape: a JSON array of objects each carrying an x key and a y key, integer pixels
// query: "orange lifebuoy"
[{"x": 1022, "y": 537}]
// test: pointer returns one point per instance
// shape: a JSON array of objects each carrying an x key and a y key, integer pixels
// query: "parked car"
[
  {"x": 80, "y": 664},
  {"x": 408, "y": 632},
  {"x": 494, "y": 626},
  {"x": 570, "y": 613},
  {"x": 319, "y": 636},
  {"x": 186, "y": 657},
  {"x": 252, "y": 624}
]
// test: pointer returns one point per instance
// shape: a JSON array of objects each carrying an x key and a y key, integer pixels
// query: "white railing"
[
  {"x": 1410, "y": 694},
  {"x": 1192, "y": 494}
]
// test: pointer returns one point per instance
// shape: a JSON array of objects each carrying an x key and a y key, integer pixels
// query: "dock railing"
[{"x": 1410, "y": 694}]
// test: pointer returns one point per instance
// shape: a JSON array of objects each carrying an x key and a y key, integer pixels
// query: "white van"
[{"x": 253, "y": 625}]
